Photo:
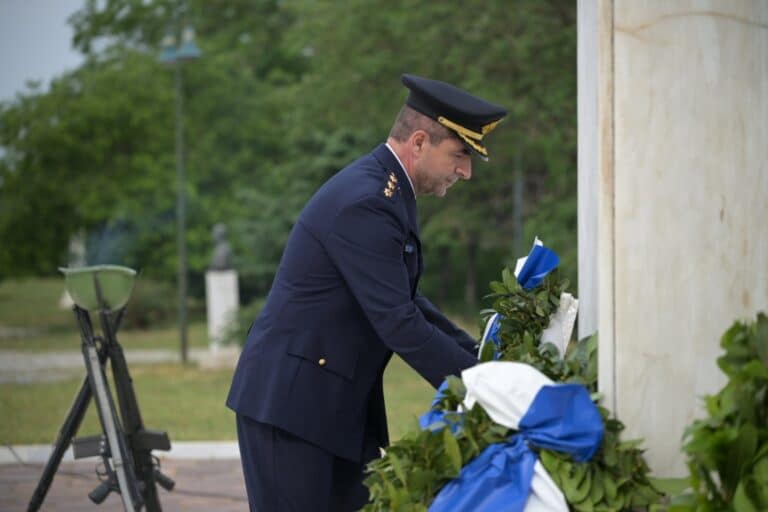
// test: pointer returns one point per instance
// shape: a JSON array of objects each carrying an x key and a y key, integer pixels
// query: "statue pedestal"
[{"x": 222, "y": 299}]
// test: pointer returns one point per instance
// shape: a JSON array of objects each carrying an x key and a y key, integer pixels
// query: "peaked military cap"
[{"x": 470, "y": 117}]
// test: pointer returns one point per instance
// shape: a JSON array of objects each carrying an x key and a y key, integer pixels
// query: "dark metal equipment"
[{"x": 124, "y": 446}]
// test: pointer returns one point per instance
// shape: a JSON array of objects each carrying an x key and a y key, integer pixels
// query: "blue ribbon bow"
[{"x": 562, "y": 417}]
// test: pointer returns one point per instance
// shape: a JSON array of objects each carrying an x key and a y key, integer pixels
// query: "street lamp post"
[{"x": 171, "y": 54}]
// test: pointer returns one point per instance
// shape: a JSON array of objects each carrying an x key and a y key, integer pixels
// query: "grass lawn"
[
  {"x": 33, "y": 321},
  {"x": 69, "y": 338},
  {"x": 185, "y": 401},
  {"x": 407, "y": 396}
]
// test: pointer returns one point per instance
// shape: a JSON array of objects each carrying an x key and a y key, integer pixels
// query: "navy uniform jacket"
[{"x": 343, "y": 299}]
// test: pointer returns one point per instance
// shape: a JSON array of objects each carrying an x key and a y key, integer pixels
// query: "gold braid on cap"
[
  {"x": 477, "y": 147},
  {"x": 490, "y": 126},
  {"x": 459, "y": 129},
  {"x": 470, "y": 137}
]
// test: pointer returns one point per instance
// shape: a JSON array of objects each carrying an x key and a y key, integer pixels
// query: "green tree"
[
  {"x": 286, "y": 94},
  {"x": 521, "y": 55}
]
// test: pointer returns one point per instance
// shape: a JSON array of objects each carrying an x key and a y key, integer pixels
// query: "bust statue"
[{"x": 222, "y": 253}]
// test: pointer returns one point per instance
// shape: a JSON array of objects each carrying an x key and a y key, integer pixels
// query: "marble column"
[{"x": 682, "y": 198}]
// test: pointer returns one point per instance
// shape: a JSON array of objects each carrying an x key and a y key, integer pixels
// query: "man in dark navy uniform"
[{"x": 308, "y": 387}]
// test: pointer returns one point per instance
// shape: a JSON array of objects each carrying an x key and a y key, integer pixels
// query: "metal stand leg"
[{"x": 66, "y": 433}]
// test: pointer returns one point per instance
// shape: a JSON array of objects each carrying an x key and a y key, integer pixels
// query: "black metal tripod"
[{"x": 124, "y": 446}]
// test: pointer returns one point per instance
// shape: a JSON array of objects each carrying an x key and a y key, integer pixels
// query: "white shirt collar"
[{"x": 401, "y": 166}]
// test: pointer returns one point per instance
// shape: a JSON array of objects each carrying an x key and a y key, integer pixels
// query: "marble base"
[{"x": 222, "y": 299}]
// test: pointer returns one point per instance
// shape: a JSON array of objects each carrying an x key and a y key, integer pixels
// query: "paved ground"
[{"x": 201, "y": 485}]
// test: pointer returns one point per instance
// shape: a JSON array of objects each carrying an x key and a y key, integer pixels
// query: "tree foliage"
[{"x": 285, "y": 94}]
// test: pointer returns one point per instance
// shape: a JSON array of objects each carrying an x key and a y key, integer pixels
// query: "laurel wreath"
[{"x": 416, "y": 467}]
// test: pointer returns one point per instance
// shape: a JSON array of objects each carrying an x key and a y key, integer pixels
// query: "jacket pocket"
[{"x": 327, "y": 353}]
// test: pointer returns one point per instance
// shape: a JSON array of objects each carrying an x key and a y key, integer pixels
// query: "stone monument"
[{"x": 222, "y": 295}]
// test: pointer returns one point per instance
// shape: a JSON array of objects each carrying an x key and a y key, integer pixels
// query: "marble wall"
[{"x": 681, "y": 139}]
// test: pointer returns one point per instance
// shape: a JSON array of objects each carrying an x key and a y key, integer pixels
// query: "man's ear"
[{"x": 418, "y": 140}]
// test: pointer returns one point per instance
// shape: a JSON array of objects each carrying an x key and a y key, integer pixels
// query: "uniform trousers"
[{"x": 284, "y": 473}]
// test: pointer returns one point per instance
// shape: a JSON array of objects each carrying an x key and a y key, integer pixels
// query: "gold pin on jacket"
[{"x": 389, "y": 190}]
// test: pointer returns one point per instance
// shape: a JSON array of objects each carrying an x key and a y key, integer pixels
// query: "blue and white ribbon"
[{"x": 508, "y": 476}]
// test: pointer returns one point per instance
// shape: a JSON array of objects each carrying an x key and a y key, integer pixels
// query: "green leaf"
[
  {"x": 509, "y": 279},
  {"x": 670, "y": 486},
  {"x": 755, "y": 369},
  {"x": 610, "y": 488},
  {"x": 398, "y": 468},
  {"x": 742, "y": 502},
  {"x": 487, "y": 352},
  {"x": 739, "y": 454},
  {"x": 761, "y": 338},
  {"x": 574, "y": 476},
  {"x": 760, "y": 467},
  {"x": 631, "y": 444},
  {"x": 498, "y": 287},
  {"x": 456, "y": 386},
  {"x": 452, "y": 450},
  {"x": 597, "y": 492}
]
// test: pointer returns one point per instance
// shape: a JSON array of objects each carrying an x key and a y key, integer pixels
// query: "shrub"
[
  {"x": 153, "y": 303},
  {"x": 728, "y": 451}
]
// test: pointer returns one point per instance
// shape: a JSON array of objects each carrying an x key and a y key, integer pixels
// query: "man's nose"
[{"x": 465, "y": 170}]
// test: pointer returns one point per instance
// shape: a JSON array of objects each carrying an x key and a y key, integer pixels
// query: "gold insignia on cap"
[
  {"x": 461, "y": 130},
  {"x": 471, "y": 137},
  {"x": 490, "y": 126}
]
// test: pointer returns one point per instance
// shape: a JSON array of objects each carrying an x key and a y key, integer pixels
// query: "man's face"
[{"x": 442, "y": 165}]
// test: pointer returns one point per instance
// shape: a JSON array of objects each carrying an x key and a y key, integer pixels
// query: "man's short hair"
[{"x": 409, "y": 120}]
